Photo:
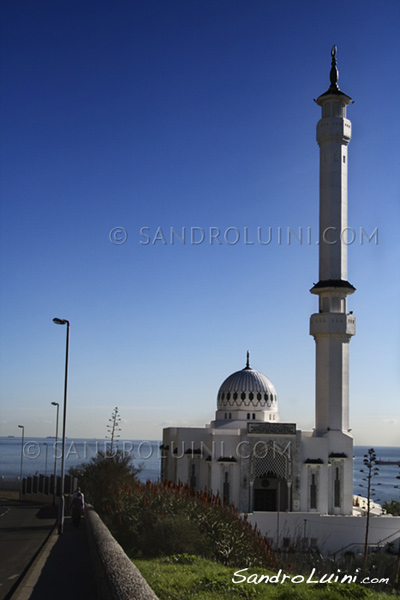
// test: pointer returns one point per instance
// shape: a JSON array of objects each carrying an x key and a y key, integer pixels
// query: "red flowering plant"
[{"x": 160, "y": 519}]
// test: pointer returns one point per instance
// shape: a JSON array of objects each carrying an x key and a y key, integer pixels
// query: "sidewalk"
[{"x": 62, "y": 570}]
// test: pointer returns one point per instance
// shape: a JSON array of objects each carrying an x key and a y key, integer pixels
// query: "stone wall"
[{"x": 116, "y": 576}]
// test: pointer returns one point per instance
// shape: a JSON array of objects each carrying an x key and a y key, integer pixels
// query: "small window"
[
  {"x": 313, "y": 492},
  {"x": 228, "y": 396},
  {"x": 254, "y": 415},
  {"x": 235, "y": 396},
  {"x": 230, "y": 415},
  {"x": 251, "y": 396},
  {"x": 344, "y": 159},
  {"x": 248, "y": 415},
  {"x": 192, "y": 482},
  {"x": 337, "y": 489},
  {"x": 225, "y": 488},
  {"x": 226, "y": 415},
  {"x": 259, "y": 396},
  {"x": 243, "y": 396}
]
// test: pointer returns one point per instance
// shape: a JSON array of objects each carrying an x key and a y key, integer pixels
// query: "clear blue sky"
[{"x": 189, "y": 113}]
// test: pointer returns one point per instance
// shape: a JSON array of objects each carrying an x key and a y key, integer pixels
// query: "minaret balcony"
[
  {"x": 332, "y": 323},
  {"x": 333, "y": 129}
]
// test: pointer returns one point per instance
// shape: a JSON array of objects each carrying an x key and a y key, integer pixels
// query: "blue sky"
[{"x": 184, "y": 114}]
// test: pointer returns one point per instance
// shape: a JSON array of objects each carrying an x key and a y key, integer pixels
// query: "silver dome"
[{"x": 246, "y": 389}]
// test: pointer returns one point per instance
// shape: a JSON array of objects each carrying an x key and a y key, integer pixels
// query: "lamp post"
[
  {"x": 55, "y": 455},
  {"x": 22, "y": 457},
  {"x": 61, "y": 507}
]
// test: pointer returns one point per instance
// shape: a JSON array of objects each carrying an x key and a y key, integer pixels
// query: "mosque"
[{"x": 292, "y": 482}]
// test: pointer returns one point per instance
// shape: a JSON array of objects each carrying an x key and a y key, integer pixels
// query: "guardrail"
[{"x": 116, "y": 576}]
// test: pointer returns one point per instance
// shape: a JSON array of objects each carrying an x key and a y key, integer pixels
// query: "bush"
[
  {"x": 161, "y": 519},
  {"x": 103, "y": 475}
]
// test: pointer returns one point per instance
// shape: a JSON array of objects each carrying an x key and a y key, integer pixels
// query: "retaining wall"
[{"x": 116, "y": 576}]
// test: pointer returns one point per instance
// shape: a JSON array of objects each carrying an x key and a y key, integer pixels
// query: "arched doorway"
[{"x": 270, "y": 480}]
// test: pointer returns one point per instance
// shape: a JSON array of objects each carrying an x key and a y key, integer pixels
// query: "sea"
[{"x": 39, "y": 456}]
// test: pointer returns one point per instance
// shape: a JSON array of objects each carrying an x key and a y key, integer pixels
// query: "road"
[{"x": 23, "y": 529}]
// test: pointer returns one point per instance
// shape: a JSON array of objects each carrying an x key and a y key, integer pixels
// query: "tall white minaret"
[{"x": 332, "y": 327}]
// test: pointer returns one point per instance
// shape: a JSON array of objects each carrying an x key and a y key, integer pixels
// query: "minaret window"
[
  {"x": 254, "y": 415},
  {"x": 251, "y": 396},
  {"x": 243, "y": 396},
  {"x": 248, "y": 415}
]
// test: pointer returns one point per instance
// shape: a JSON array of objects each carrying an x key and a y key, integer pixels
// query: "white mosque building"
[{"x": 292, "y": 482}]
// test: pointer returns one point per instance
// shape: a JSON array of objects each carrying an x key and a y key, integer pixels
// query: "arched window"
[
  {"x": 337, "y": 489},
  {"x": 313, "y": 491},
  {"x": 225, "y": 488},
  {"x": 248, "y": 415},
  {"x": 192, "y": 482}
]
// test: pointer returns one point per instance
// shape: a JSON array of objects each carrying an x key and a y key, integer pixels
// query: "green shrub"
[{"x": 160, "y": 519}]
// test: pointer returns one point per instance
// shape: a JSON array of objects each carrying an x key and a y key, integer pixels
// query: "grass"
[{"x": 185, "y": 577}]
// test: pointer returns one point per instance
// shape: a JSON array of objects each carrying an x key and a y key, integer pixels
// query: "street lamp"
[
  {"x": 22, "y": 457},
  {"x": 61, "y": 507},
  {"x": 55, "y": 455}
]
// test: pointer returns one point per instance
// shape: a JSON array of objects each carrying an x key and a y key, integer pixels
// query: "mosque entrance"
[
  {"x": 271, "y": 472},
  {"x": 269, "y": 493}
]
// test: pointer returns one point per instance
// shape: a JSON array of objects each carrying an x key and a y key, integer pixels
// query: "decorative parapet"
[{"x": 116, "y": 576}]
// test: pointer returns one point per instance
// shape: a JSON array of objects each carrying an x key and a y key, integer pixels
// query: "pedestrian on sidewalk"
[{"x": 77, "y": 506}]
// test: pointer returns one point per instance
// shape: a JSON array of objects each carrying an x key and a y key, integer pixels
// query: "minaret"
[{"x": 332, "y": 327}]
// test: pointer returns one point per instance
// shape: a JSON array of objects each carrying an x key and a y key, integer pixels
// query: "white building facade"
[
  {"x": 278, "y": 475},
  {"x": 255, "y": 461}
]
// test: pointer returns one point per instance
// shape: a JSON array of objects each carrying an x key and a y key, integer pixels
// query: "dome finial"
[
  {"x": 334, "y": 74},
  {"x": 248, "y": 360}
]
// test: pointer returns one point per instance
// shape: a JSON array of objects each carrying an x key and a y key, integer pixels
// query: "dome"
[{"x": 247, "y": 389}]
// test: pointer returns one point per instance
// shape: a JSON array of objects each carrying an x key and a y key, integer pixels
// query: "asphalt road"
[{"x": 23, "y": 529}]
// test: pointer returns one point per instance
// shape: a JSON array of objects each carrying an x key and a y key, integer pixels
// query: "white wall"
[{"x": 333, "y": 533}]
